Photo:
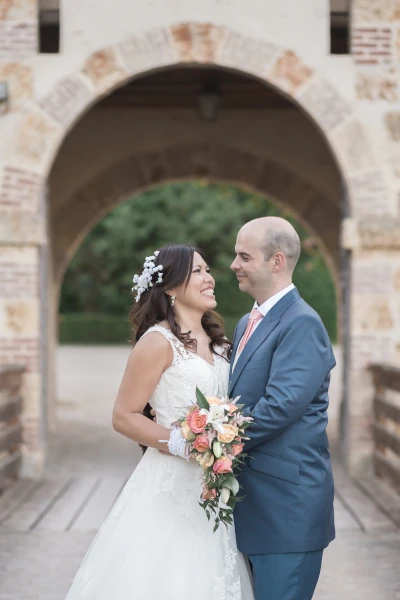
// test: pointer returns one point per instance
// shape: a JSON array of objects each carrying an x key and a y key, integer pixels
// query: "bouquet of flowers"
[{"x": 214, "y": 429}]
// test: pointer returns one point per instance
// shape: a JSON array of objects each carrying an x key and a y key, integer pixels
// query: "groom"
[{"x": 280, "y": 367}]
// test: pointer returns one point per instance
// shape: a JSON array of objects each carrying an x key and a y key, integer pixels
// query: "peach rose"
[
  {"x": 237, "y": 449},
  {"x": 229, "y": 434},
  {"x": 196, "y": 421},
  {"x": 208, "y": 494},
  {"x": 222, "y": 465},
  {"x": 206, "y": 459},
  {"x": 213, "y": 400},
  {"x": 187, "y": 432},
  {"x": 201, "y": 443}
]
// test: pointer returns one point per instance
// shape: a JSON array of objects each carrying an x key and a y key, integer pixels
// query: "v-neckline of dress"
[{"x": 194, "y": 354}]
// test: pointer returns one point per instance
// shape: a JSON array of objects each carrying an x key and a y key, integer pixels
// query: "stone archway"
[
  {"x": 77, "y": 215},
  {"x": 42, "y": 127}
]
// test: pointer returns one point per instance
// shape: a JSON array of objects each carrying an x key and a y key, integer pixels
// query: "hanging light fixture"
[{"x": 209, "y": 102}]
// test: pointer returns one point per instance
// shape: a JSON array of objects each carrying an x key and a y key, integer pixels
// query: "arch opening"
[{"x": 225, "y": 213}]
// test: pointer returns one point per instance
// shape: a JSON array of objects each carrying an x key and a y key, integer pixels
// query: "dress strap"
[{"x": 178, "y": 348}]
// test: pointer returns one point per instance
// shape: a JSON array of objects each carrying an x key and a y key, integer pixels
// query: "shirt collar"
[{"x": 266, "y": 306}]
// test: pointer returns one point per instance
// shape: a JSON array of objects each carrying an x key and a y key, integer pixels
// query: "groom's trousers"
[{"x": 291, "y": 576}]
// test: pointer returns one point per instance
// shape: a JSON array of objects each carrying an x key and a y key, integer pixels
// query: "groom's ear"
[{"x": 277, "y": 261}]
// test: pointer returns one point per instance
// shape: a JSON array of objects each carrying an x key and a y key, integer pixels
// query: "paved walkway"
[{"x": 46, "y": 527}]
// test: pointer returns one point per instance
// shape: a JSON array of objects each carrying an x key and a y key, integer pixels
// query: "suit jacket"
[{"x": 282, "y": 376}]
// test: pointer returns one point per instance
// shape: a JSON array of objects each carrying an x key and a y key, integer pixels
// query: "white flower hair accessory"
[{"x": 144, "y": 281}]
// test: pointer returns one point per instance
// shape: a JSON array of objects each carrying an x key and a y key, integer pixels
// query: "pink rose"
[
  {"x": 237, "y": 449},
  {"x": 208, "y": 494},
  {"x": 201, "y": 443},
  {"x": 222, "y": 465},
  {"x": 196, "y": 421}
]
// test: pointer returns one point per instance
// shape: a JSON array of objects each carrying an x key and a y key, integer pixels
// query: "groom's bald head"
[
  {"x": 267, "y": 251},
  {"x": 274, "y": 234}
]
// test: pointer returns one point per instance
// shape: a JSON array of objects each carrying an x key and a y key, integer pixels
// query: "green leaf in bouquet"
[
  {"x": 240, "y": 406},
  {"x": 202, "y": 400},
  {"x": 232, "y": 502},
  {"x": 228, "y": 519}
]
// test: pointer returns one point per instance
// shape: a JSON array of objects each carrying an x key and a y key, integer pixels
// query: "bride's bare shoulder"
[
  {"x": 153, "y": 346},
  {"x": 154, "y": 340}
]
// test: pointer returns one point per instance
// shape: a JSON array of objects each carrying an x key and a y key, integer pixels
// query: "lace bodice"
[{"x": 176, "y": 390}]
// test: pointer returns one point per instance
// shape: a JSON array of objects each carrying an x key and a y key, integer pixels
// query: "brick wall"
[
  {"x": 19, "y": 290},
  {"x": 19, "y": 190},
  {"x": 18, "y": 40},
  {"x": 31, "y": 434},
  {"x": 18, "y": 29},
  {"x": 18, "y": 280},
  {"x": 372, "y": 45},
  {"x": 20, "y": 351}
]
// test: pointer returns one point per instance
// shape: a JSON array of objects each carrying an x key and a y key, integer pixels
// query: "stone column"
[
  {"x": 22, "y": 222},
  {"x": 374, "y": 233},
  {"x": 374, "y": 324},
  {"x": 21, "y": 237}
]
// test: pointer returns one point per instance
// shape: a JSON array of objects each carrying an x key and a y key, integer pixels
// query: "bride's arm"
[{"x": 147, "y": 361}]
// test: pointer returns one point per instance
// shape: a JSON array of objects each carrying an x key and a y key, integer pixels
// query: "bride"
[{"x": 156, "y": 542}]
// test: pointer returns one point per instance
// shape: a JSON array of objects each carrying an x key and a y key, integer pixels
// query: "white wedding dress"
[{"x": 156, "y": 543}]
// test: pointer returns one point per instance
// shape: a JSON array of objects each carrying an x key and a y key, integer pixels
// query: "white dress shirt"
[{"x": 264, "y": 309}]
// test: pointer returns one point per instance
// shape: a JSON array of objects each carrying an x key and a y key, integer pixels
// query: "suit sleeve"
[{"x": 299, "y": 366}]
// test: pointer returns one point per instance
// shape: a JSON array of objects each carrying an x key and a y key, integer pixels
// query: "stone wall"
[
  {"x": 260, "y": 19},
  {"x": 18, "y": 30}
]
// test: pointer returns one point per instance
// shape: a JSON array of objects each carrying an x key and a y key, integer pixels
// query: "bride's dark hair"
[{"x": 155, "y": 305}]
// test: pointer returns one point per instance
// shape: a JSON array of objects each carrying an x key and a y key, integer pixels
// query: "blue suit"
[{"x": 286, "y": 518}]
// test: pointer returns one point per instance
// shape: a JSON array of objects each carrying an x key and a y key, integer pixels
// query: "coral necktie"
[{"x": 255, "y": 316}]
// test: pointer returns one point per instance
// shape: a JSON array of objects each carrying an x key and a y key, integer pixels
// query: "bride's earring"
[{"x": 172, "y": 300}]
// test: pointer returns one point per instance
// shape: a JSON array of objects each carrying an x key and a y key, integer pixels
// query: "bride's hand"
[{"x": 177, "y": 444}]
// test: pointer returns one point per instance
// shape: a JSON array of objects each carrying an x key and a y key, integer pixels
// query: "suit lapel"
[
  {"x": 239, "y": 334},
  {"x": 265, "y": 328},
  {"x": 261, "y": 333}
]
